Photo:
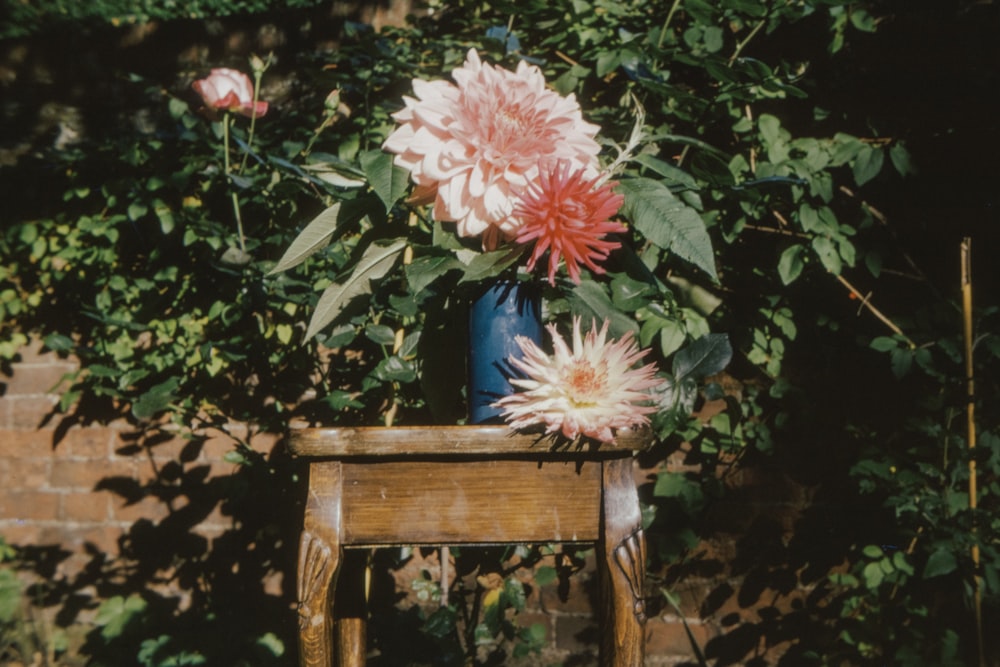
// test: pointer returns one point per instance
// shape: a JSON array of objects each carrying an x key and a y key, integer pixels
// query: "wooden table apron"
[{"x": 461, "y": 485}]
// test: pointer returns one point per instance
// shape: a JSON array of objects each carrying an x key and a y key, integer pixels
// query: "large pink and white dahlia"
[
  {"x": 567, "y": 214},
  {"x": 592, "y": 390},
  {"x": 474, "y": 145}
]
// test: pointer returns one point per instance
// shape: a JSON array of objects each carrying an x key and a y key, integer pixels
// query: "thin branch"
[
  {"x": 746, "y": 40},
  {"x": 875, "y": 311}
]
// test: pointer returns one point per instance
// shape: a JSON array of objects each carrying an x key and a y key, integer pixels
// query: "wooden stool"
[{"x": 462, "y": 485}]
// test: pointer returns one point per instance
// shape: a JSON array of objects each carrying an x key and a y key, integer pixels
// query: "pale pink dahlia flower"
[
  {"x": 567, "y": 214},
  {"x": 476, "y": 144},
  {"x": 592, "y": 390}
]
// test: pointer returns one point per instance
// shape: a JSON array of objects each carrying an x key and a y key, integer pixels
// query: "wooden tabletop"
[{"x": 452, "y": 441}]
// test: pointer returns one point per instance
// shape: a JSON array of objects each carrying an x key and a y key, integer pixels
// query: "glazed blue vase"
[{"x": 504, "y": 310}]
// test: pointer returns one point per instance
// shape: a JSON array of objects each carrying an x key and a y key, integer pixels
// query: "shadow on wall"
[{"x": 211, "y": 576}]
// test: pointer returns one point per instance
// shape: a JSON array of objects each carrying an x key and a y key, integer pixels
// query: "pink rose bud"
[{"x": 229, "y": 90}]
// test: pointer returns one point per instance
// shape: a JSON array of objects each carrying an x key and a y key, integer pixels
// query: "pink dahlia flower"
[
  {"x": 591, "y": 390},
  {"x": 476, "y": 144},
  {"x": 567, "y": 214},
  {"x": 227, "y": 89}
]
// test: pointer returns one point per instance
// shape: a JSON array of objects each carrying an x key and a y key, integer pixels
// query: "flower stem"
[
  {"x": 666, "y": 23},
  {"x": 253, "y": 116},
  {"x": 226, "y": 120}
]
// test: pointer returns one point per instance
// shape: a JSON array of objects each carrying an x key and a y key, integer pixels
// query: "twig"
[
  {"x": 875, "y": 311},
  {"x": 966, "y": 257},
  {"x": 776, "y": 230},
  {"x": 881, "y": 217},
  {"x": 746, "y": 40}
]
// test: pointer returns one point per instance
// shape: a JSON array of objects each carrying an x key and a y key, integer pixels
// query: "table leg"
[
  {"x": 350, "y": 609},
  {"x": 320, "y": 554},
  {"x": 622, "y": 568}
]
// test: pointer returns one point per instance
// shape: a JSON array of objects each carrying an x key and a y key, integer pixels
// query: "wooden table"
[{"x": 461, "y": 485}]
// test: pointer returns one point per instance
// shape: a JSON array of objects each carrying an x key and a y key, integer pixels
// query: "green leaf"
[
  {"x": 387, "y": 180},
  {"x": 706, "y": 356},
  {"x": 883, "y": 343},
  {"x": 320, "y": 230},
  {"x": 545, "y": 575},
  {"x": 272, "y": 643},
  {"x": 116, "y": 613},
  {"x": 426, "y": 269},
  {"x": 791, "y": 263},
  {"x": 672, "y": 336},
  {"x": 867, "y": 164},
  {"x": 156, "y": 399},
  {"x": 491, "y": 264},
  {"x": 10, "y": 595},
  {"x": 900, "y": 158},
  {"x": 380, "y": 334},
  {"x": 136, "y": 210},
  {"x": 828, "y": 255},
  {"x": 675, "y": 176},
  {"x": 376, "y": 261},
  {"x": 941, "y": 562},
  {"x": 901, "y": 360},
  {"x": 770, "y": 129},
  {"x": 873, "y": 575},
  {"x": 873, "y": 551},
  {"x": 591, "y": 302},
  {"x": 668, "y": 222},
  {"x": 627, "y": 293}
]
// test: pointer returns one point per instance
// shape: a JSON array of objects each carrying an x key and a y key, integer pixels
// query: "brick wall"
[{"x": 75, "y": 496}]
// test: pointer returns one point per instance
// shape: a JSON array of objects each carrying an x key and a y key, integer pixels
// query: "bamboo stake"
[{"x": 966, "y": 257}]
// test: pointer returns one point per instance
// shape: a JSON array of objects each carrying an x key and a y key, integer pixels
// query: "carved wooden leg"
[
  {"x": 622, "y": 569},
  {"x": 319, "y": 561}
]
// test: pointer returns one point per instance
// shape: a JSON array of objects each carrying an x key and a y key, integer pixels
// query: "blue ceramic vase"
[{"x": 504, "y": 310}]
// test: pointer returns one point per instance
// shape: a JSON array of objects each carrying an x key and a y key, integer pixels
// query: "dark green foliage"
[{"x": 20, "y": 19}]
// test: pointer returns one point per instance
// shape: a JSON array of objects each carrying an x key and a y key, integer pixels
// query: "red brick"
[
  {"x": 28, "y": 505},
  {"x": 92, "y": 506},
  {"x": 18, "y": 533},
  {"x": 577, "y": 634},
  {"x": 39, "y": 378},
  {"x": 24, "y": 473},
  {"x": 169, "y": 450},
  {"x": 103, "y": 539},
  {"x": 216, "y": 447},
  {"x": 526, "y": 619},
  {"x": 30, "y": 412},
  {"x": 89, "y": 442},
  {"x": 149, "y": 507},
  {"x": 669, "y": 637},
  {"x": 85, "y": 475},
  {"x": 19, "y": 443}
]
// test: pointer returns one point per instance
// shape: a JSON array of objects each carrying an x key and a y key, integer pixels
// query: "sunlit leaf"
[
  {"x": 318, "y": 233},
  {"x": 375, "y": 263},
  {"x": 387, "y": 180},
  {"x": 791, "y": 264},
  {"x": 668, "y": 222}
]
